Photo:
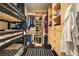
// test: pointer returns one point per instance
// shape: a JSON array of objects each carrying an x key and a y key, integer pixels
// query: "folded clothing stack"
[{"x": 11, "y": 50}]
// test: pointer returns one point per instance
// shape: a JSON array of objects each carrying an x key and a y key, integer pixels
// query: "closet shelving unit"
[
  {"x": 49, "y": 11},
  {"x": 10, "y": 44},
  {"x": 54, "y": 32},
  {"x": 11, "y": 10},
  {"x": 56, "y": 27},
  {"x": 39, "y": 31},
  {"x": 57, "y": 16}
]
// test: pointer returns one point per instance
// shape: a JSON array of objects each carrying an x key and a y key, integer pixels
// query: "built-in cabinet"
[{"x": 56, "y": 30}]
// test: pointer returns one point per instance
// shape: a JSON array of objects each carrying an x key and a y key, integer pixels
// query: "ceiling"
[{"x": 37, "y": 7}]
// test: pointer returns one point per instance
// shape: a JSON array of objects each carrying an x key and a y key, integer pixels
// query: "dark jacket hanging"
[{"x": 46, "y": 24}]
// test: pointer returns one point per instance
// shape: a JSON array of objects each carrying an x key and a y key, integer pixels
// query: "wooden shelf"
[
  {"x": 57, "y": 20},
  {"x": 4, "y": 43},
  {"x": 20, "y": 52},
  {"x": 12, "y": 50},
  {"x": 56, "y": 6},
  {"x": 56, "y": 16},
  {"x": 9, "y": 32},
  {"x": 9, "y": 35},
  {"x": 6, "y": 17},
  {"x": 12, "y": 11}
]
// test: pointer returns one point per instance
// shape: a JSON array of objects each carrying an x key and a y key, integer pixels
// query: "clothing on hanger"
[
  {"x": 45, "y": 39},
  {"x": 28, "y": 22},
  {"x": 32, "y": 21},
  {"x": 46, "y": 24},
  {"x": 69, "y": 41}
]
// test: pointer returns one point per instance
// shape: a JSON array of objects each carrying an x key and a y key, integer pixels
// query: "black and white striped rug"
[{"x": 39, "y": 52}]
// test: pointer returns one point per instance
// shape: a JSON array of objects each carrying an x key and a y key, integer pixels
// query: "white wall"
[{"x": 37, "y": 7}]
